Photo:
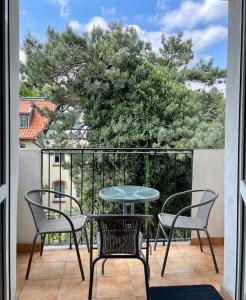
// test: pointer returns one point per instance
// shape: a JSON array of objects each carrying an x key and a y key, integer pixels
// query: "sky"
[{"x": 204, "y": 21}]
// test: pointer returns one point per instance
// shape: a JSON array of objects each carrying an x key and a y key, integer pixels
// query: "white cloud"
[
  {"x": 108, "y": 11},
  {"x": 201, "y": 38},
  {"x": 93, "y": 22},
  {"x": 96, "y": 22},
  {"x": 65, "y": 10},
  {"x": 204, "y": 38},
  {"x": 75, "y": 25},
  {"x": 161, "y": 4},
  {"x": 149, "y": 36},
  {"x": 22, "y": 56},
  {"x": 191, "y": 13}
]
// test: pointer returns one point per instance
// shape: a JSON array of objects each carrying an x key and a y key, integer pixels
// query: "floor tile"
[
  {"x": 51, "y": 270},
  {"x": 72, "y": 270},
  {"x": 40, "y": 290},
  {"x": 52, "y": 256},
  {"x": 113, "y": 267},
  {"x": 56, "y": 274},
  {"x": 114, "y": 286},
  {"x": 74, "y": 289}
]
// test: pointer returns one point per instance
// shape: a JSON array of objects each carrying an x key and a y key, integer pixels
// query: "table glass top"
[{"x": 129, "y": 194}]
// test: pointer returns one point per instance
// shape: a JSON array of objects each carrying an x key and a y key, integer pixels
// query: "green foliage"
[
  {"x": 175, "y": 52},
  {"x": 205, "y": 72},
  {"x": 130, "y": 96},
  {"x": 28, "y": 92}
]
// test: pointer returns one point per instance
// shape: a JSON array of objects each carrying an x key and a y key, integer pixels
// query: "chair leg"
[
  {"x": 31, "y": 256},
  {"x": 200, "y": 242},
  {"x": 92, "y": 278},
  {"x": 42, "y": 243},
  {"x": 103, "y": 265},
  {"x": 78, "y": 255},
  {"x": 157, "y": 236},
  {"x": 212, "y": 252},
  {"x": 87, "y": 240},
  {"x": 146, "y": 275},
  {"x": 167, "y": 251},
  {"x": 70, "y": 242}
]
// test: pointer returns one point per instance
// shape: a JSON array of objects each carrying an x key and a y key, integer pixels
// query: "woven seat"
[
  {"x": 63, "y": 223},
  {"x": 182, "y": 222},
  {"x": 199, "y": 222}
]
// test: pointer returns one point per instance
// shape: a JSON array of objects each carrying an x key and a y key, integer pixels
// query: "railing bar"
[
  {"x": 49, "y": 183},
  {"x": 155, "y": 161},
  {"x": 114, "y": 170},
  {"x": 60, "y": 172},
  {"x": 82, "y": 177},
  {"x": 103, "y": 183},
  {"x": 124, "y": 170},
  {"x": 93, "y": 183},
  {"x": 175, "y": 170},
  {"x": 118, "y": 149},
  {"x": 71, "y": 189}
]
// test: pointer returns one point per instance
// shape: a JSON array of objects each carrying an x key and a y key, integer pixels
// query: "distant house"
[{"x": 31, "y": 122}]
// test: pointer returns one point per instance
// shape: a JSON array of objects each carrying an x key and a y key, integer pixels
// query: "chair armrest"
[
  {"x": 187, "y": 208},
  {"x": 52, "y": 210},
  {"x": 177, "y": 195}
]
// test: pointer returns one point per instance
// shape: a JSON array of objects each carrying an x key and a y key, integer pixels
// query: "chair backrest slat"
[
  {"x": 38, "y": 213},
  {"x": 204, "y": 210}
]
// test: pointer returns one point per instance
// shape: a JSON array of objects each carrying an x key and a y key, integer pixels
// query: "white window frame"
[
  {"x": 24, "y": 120},
  {"x": 60, "y": 189},
  {"x": 61, "y": 157}
]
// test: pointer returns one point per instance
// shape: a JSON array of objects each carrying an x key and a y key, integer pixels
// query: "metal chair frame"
[
  {"x": 73, "y": 231},
  {"x": 198, "y": 229},
  {"x": 137, "y": 255}
]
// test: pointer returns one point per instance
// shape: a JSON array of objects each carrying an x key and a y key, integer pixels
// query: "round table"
[{"x": 129, "y": 195}]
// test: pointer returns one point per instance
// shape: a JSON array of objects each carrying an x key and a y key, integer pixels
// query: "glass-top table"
[{"x": 129, "y": 195}]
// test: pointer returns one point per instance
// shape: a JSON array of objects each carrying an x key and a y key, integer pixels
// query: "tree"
[
  {"x": 175, "y": 52},
  {"x": 129, "y": 96},
  {"x": 205, "y": 72},
  {"x": 28, "y": 92}
]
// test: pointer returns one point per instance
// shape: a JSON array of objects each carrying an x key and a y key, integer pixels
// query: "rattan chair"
[
  {"x": 46, "y": 225},
  {"x": 119, "y": 236},
  {"x": 199, "y": 222}
]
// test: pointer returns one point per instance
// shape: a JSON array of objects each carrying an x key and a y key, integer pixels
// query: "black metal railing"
[{"x": 83, "y": 172}]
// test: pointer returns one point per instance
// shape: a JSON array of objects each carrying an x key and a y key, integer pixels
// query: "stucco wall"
[
  {"x": 208, "y": 172},
  {"x": 231, "y": 143},
  {"x": 29, "y": 178}
]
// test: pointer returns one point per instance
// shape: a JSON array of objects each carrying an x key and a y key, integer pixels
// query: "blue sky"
[{"x": 205, "y": 21}]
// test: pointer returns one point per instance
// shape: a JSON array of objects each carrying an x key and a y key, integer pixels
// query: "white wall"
[
  {"x": 231, "y": 143},
  {"x": 29, "y": 178},
  {"x": 13, "y": 17},
  {"x": 208, "y": 172}
]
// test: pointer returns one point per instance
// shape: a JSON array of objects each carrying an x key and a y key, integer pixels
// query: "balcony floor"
[{"x": 56, "y": 275}]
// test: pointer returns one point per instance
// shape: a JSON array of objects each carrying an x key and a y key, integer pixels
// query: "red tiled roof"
[{"x": 38, "y": 122}]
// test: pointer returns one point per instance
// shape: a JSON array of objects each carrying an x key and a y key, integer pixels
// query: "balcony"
[
  {"x": 83, "y": 172},
  {"x": 56, "y": 274}
]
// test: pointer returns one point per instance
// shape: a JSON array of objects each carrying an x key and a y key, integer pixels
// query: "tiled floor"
[{"x": 56, "y": 274}]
